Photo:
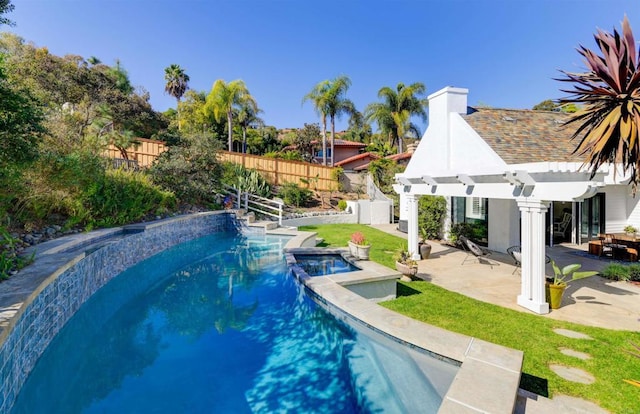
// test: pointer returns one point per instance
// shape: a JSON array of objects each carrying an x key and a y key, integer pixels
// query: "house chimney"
[{"x": 447, "y": 100}]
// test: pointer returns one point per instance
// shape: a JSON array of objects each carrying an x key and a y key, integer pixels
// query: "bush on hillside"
[
  {"x": 292, "y": 194},
  {"x": 123, "y": 196},
  {"x": 191, "y": 171}
]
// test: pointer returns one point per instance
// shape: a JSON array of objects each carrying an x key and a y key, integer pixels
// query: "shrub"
[
  {"x": 634, "y": 272},
  {"x": 460, "y": 229},
  {"x": 292, "y": 194},
  {"x": 616, "y": 271},
  {"x": 190, "y": 171},
  {"x": 54, "y": 187},
  {"x": 342, "y": 205},
  {"x": 433, "y": 210},
  {"x": 124, "y": 196}
]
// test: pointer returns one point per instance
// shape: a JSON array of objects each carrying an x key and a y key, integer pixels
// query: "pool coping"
[{"x": 489, "y": 375}]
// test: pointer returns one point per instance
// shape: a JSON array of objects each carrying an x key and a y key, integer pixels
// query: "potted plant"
[
  {"x": 423, "y": 246},
  {"x": 630, "y": 230},
  {"x": 358, "y": 246},
  {"x": 557, "y": 284},
  {"x": 405, "y": 264}
]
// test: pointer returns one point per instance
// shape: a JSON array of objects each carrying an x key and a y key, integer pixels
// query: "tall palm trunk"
[
  {"x": 324, "y": 140},
  {"x": 178, "y": 111},
  {"x": 244, "y": 140},
  {"x": 333, "y": 135},
  {"x": 230, "y": 125}
]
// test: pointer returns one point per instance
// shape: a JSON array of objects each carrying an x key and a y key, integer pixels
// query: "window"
[{"x": 471, "y": 211}]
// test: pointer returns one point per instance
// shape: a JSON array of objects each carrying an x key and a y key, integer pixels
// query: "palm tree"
[
  {"x": 247, "y": 115},
  {"x": 222, "y": 99},
  {"x": 389, "y": 114},
  {"x": 609, "y": 92},
  {"x": 318, "y": 96},
  {"x": 337, "y": 104},
  {"x": 177, "y": 84}
]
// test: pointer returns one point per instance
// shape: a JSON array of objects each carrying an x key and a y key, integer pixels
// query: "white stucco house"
[{"x": 513, "y": 175}]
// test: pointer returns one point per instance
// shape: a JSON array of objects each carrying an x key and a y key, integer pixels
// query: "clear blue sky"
[{"x": 505, "y": 52}]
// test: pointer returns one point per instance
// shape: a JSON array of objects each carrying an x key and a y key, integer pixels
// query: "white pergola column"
[
  {"x": 532, "y": 297},
  {"x": 412, "y": 225}
]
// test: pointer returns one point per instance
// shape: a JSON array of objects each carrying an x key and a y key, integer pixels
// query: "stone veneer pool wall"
[{"x": 58, "y": 298}]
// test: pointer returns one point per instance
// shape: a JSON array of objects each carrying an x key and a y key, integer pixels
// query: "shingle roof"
[
  {"x": 521, "y": 136},
  {"x": 342, "y": 143}
]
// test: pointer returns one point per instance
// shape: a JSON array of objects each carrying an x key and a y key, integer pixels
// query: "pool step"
[{"x": 389, "y": 381}]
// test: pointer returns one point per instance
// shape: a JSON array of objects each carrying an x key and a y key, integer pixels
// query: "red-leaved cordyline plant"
[
  {"x": 609, "y": 96},
  {"x": 358, "y": 238}
]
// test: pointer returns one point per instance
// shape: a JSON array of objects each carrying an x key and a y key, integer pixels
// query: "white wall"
[
  {"x": 504, "y": 224},
  {"x": 616, "y": 216}
]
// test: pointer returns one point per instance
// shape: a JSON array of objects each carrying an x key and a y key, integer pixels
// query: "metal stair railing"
[{"x": 251, "y": 202}]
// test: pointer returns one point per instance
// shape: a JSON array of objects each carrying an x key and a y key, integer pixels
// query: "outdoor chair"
[
  {"x": 560, "y": 229},
  {"x": 475, "y": 251},
  {"x": 516, "y": 254},
  {"x": 610, "y": 248}
]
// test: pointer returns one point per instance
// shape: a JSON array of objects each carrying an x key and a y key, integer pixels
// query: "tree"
[
  {"x": 223, "y": 98},
  {"x": 248, "y": 116},
  {"x": 6, "y": 7},
  {"x": 318, "y": 96},
  {"x": 609, "y": 122},
  {"x": 20, "y": 124},
  {"x": 389, "y": 113},
  {"x": 337, "y": 104},
  {"x": 177, "y": 84},
  {"x": 304, "y": 140},
  {"x": 358, "y": 130},
  {"x": 546, "y": 105}
]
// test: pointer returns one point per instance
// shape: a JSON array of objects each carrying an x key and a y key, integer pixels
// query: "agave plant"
[{"x": 609, "y": 96}]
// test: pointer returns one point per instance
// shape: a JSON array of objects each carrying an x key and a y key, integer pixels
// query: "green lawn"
[{"x": 532, "y": 334}]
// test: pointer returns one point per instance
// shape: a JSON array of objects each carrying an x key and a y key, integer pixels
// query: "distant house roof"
[
  {"x": 357, "y": 159},
  {"x": 395, "y": 157},
  {"x": 337, "y": 143},
  {"x": 342, "y": 143},
  {"x": 400, "y": 157},
  {"x": 521, "y": 136}
]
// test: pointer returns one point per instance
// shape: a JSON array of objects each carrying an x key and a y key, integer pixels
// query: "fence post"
[
  {"x": 279, "y": 214},
  {"x": 246, "y": 201},
  {"x": 238, "y": 200}
]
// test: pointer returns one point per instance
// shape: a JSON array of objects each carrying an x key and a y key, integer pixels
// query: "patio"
[{"x": 594, "y": 301}]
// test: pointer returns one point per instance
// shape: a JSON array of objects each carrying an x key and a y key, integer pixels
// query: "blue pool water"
[
  {"x": 324, "y": 264},
  {"x": 218, "y": 325}
]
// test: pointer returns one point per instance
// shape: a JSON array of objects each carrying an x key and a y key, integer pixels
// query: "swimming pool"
[
  {"x": 218, "y": 325},
  {"x": 324, "y": 264}
]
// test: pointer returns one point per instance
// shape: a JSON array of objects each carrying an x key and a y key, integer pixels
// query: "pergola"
[
  {"x": 532, "y": 191},
  {"x": 453, "y": 160}
]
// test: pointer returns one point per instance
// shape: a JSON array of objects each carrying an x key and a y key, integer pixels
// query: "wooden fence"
[
  {"x": 278, "y": 172},
  {"x": 143, "y": 154}
]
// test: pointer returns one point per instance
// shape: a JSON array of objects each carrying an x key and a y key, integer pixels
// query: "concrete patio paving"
[{"x": 594, "y": 301}]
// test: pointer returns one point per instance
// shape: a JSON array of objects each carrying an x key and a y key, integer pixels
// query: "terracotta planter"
[
  {"x": 554, "y": 295},
  {"x": 425, "y": 250},
  {"x": 359, "y": 251},
  {"x": 408, "y": 272}
]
